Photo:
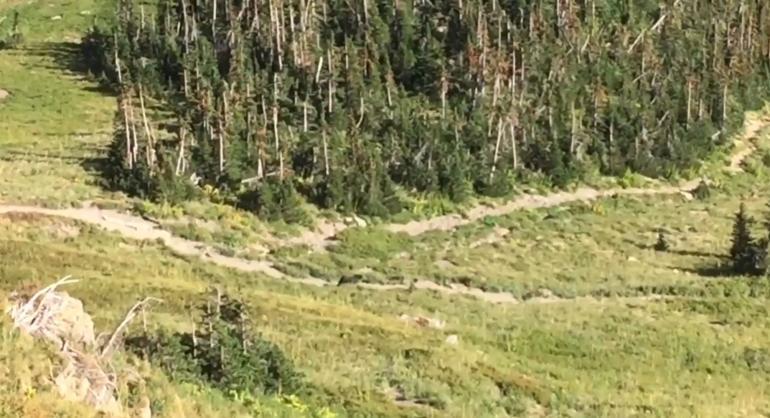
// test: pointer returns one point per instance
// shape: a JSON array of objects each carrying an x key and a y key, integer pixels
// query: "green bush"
[
  {"x": 372, "y": 242},
  {"x": 13, "y": 37},
  {"x": 97, "y": 51},
  {"x": 662, "y": 243},
  {"x": 276, "y": 200},
  {"x": 748, "y": 256},
  {"x": 223, "y": 353},
  {"x": 703, "y": 191}
]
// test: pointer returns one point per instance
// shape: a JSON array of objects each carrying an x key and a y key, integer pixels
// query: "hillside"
[{"x": 536, "y": 302}]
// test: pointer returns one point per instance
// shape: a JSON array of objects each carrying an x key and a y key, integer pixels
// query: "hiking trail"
[{"x": 136, "y": 227}]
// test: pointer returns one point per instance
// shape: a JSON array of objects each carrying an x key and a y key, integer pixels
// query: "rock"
[
  {"x": 632, "y": 259},
  {"x": 359, "y": 222},
  {"x": 453, "y": 340},
  {"x": 85, "y": 13},
  {"x": 423, "y": 321},
  {"x": 143, "y": 410},
  {"x": 686, "y": 195},
  {"x": 543, "y": 293},
  {"x": 443, "y": 264},
  {"x": 56, "y": 317},
  {"x": 4, "y": 94},
  {"x": 354, "y": 221},
  {"x": 57, "y": 17},
  {"x": 83, "y": 380}
]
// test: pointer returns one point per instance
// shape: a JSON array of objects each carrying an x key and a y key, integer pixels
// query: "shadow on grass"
[
  {"x": 99, "y": 167},
  {"x": 68, "y": 57},
  {"x": 713, "y": 271},
  {"x": 691, "y": 253},
  {"x": 699, "y": 254}
]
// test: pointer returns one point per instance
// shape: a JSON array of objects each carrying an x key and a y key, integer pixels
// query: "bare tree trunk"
[
  {"x": 150, "y": 145},
  {"x": 444, "y": 87},
  {"x": 180, "y": 157},
  {"x": 186, "y": 48},
  {"x": 612, "y": 142},
  {"x": 275, "y": 128},
  {"x": 331, "y": 80},
  {"x": 221, "y": 141},
  {"x": 513, "y": 146},
  {"x": 326, "y": 152},
  {"x": 724, "y": 106},
  {"x": 497, "y": 148},
  {"x": 214, "y": 19},
  {"x": 689, "y": 101},
  {"x": 122, "y": 103},
  {"x": 127, "y": 127},
  {"x": 573, "y": 128}
]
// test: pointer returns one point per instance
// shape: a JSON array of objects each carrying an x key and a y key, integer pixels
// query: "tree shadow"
[
  {"x": 711, "y": 271},
  {"x": 691, "y": 253},
  {"x": 698, "y": 254},
  {"x": 68, "y": 57},
  {"x": 100, "y": 169}
]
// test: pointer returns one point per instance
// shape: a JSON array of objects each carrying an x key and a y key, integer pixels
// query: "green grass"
[
  {"x": 599, "y": 248},
  {"x": 701, "y": 352},
  {"x": 693, "y": 356},
  {"x": 56, "y": 123}
]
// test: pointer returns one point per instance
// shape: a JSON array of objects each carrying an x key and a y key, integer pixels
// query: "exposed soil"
[{"x": 138, "y": 228}]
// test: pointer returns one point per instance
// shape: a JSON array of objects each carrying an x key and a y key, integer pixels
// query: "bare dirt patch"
[
  {"x": 135, "y": 227},
  {"x": 54, "y": 227}
]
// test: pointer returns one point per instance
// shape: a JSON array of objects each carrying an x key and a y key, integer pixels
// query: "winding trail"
[
  {"x": 139, "y": 228},
  {"x": 325, "y": 231}
]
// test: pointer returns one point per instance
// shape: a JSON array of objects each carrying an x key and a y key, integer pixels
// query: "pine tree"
[
  {"x": 662, "y": 243},
  {"x": 741, "y": 239},
  {"x": 426, "y": 96},
  {"x": 747, "y": 255}
]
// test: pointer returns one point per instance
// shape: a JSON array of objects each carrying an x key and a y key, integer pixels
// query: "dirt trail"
[
  {"x": 744, "y": 146},
  {"x": 135, "y": 227},
  {"x": 138, "y": 228}
]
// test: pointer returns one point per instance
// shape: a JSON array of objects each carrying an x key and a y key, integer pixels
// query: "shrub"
[
  {"x": 97, "y": 52},
  {"x": 372, "y": 242},
  {"x": 223, "y": 353},
  {"x": 500, "y": 185},
  {"x": 703, "y": 191},
  {"x": 746, "y": 254},
  {"x": 662, "y": 243},
  {"x": 13, "y": 37},
  {"x": 275, "y": 200}
]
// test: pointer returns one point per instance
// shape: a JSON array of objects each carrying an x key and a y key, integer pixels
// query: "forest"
[{"x": 353, "y": 105}]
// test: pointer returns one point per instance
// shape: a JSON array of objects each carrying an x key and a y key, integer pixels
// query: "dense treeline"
[{"x": 348, "y": 101}]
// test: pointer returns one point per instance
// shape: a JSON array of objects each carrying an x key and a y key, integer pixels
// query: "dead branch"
[{"x": 107, "y": 350}]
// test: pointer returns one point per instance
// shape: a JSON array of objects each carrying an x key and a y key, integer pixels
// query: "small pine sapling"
[{"x": 662, "y": 243}]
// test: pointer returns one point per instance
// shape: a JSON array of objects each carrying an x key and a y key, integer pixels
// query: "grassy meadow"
[
  {"x": 606, "y": 327},
  {"x": 56, "y": 122},
  {"x": 699, "y": 354}
]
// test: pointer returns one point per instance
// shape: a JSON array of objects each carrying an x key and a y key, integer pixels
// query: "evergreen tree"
[
  {"x": 747, "y": 255},
  {"x": 351, "y": 100}
]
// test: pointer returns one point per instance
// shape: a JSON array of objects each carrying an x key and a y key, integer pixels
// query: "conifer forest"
[
  {"x": 384, "y": 208},
  {"x": 351, "y": 104}
]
